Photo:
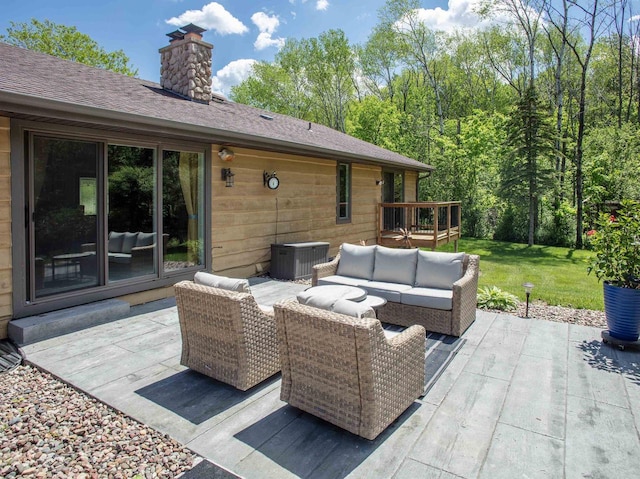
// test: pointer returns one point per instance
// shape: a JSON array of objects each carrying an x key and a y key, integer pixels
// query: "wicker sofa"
[
  {"x": 432, "y": 289},
  {"x": 225, "y": 334},
  {"x": 344, "y": 370}
]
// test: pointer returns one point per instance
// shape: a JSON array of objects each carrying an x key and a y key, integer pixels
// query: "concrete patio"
[{"x": 523, "y": 398}]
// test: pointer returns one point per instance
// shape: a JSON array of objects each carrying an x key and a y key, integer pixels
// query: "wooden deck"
[{"x": 423, "y": 224}]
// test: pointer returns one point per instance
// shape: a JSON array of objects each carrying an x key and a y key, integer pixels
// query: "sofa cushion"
[
  {"x": 438, "y": 270},
  {"x": 222, "y": 282},
  {"x": 344, "y": 280},
  {"x": 128, "y": 242},
  {"x": 394, "y": 265},
  {"x": 119, "y": 258},
  {"x": 115, "y": 242},
  {"x": 145, "y": 239},
  {"x": 356, "y": 261},
  {"x": 341, "y": 306},
  {"x": 428, "y": 298},
  {"x": 388, "y": 291}
]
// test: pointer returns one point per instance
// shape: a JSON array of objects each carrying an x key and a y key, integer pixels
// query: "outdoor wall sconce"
[
  {"x": 379, "y": 182},
  {"x": 527, "y": 291},
  {"x": 226, "y": 154},
  {"x": 227, "y": 176}
]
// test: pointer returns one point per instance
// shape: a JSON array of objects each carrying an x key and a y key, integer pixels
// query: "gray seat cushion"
[
  {"x": 438, "y": 270},
  {"x": 356, "y": 261},
  {"x": 344, "y": 280},
  {"x": 119, "y": 258},
  {"x": 429, "y": 298},
  {"x": 388, "y": 291},
  {"x": 394, "y": 265},
  {"x": 222, "y": 282}
]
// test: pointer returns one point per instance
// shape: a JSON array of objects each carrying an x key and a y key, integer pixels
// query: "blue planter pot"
[{"x": 622, "y": 310}]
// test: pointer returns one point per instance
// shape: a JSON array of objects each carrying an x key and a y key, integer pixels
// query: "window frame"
[{"x": 348, "y": 193}]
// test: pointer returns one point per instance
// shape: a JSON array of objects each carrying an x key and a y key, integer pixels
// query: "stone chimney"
[{"x": 186, "y": 64}]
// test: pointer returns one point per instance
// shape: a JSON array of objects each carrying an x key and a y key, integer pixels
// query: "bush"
[
  {"x": 560, "y": 228},
  {"x": 513, "y": 226},
  {"x": 492, "y": 297}
]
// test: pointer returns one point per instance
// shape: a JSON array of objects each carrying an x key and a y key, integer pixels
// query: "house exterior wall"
[
  {"x": 5, "y": 226},
  {"x": 248, "y": 217},
  {"x": 410, "y": 180}
]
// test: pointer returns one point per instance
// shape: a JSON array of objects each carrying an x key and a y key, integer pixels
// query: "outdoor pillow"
[
  {"x": 145, "y": 239},
  {"x": 341, "y": 306},
  {"x": 356, "y": 261},
  {"x": 394, "y": 265},
  {"x": 222, "y": 282},
  {"x": 115, "y": 242},
  {"x": 128, "y": 242},
  {"x": 438, "y": 270}
]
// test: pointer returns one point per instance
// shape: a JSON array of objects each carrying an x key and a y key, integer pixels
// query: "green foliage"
[
  {"x": 616, "y": 243},
  {"x": 68, "y": 43},
  {"x": 559, "y": 229},
  {"x": 512, "y": 225},
  {"x": 492, "y": 297}
]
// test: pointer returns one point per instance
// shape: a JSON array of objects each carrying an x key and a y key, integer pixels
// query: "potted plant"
[{"x": 616, "y": 243}]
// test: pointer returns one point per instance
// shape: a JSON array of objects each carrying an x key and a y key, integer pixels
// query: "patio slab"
[{"x": 523, "y": 398}]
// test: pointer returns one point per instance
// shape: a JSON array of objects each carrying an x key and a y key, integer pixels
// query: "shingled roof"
[{"x": 37, "y": 84}]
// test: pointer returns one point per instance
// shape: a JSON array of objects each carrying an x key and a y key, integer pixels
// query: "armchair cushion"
[
  {"x": 356, "y": 261},
  {"x": 342, "y": 306},
  {"x": 221, "y": 282},
  {"x": 438, "y": 270},
  {"x": 395, "y": 265}
]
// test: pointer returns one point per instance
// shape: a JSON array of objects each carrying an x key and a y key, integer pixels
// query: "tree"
[
  {"x": 68, "y": 43},
  {"x": 528, "y": 166}
]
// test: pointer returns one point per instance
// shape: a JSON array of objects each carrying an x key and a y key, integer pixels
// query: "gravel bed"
[{"x": 50, "y": 430}]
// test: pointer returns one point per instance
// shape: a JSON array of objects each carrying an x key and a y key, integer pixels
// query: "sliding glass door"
[
  {"x": 64, "y": 220},
  {"x": 104, "y": 213}
]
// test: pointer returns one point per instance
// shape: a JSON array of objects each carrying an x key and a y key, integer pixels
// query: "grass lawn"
[{"x": 559, "y": 275}]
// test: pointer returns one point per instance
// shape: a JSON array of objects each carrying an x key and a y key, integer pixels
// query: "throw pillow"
[
  {"x": 222, "y": 282},
  {"x": 356, "y": 261},
  {"x": 438, "y": 270},
  {"x": 394, "y": 265}
]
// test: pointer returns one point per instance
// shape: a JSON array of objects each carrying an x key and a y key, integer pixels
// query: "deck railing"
[{"x": 422, "y": 224}]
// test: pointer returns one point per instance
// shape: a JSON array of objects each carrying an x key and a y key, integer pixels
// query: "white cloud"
[
  {"x": 322, "y": 4},
  {"x": 232, "y": 74},
  {"x": 265, "y": 23},
  {"x": 293, "y": 14},
  {"x": 265, "y": 40},
  {"x": 460, "y": 14},
  {"x": 267, "y": 26},
  {"x": 213, "y": 16}
]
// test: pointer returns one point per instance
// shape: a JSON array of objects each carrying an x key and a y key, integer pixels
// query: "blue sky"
[{"x": 241, "y": 31}]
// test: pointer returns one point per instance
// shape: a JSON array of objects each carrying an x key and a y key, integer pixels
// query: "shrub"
[
  {"x": 492, "y": 297},
  {"x": 559, "y": 229}
]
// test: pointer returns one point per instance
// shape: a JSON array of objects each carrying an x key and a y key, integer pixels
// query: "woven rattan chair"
[
  {"x": 226, "y": 335},
  {"x": 344, "y": 370}
]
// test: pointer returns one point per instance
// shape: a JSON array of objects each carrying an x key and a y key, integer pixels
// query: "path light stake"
[{"x": 527, "y": 290}]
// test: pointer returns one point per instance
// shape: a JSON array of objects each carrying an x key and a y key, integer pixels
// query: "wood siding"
[
  {"x": 410, "y": 187},
  {"x": 248, "y": 217},
  {"x": 6, "y": 284}
]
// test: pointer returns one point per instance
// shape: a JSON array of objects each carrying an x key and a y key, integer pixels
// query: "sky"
[{"x": 241, "y": 31}]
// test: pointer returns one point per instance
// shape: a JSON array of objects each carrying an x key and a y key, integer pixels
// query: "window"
[
  {"x": 343, "y": 194},
  {"x": 103, "y": 214}
]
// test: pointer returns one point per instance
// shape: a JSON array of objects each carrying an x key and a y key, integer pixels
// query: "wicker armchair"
[
  {"x": 226, "y": 335},
  {"x": 344, "y": 370}
]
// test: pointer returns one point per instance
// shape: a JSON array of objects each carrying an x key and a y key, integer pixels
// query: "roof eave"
[{"x": 31, "y": 105}]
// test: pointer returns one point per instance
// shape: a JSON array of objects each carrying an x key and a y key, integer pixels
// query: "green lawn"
[{"x": 559, "y": 274}]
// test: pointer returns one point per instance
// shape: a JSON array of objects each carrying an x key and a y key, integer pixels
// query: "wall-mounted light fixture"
[
  {"x": 379, "y": 182},
  {"x": 226, "y": 154},
  {"x": 227, "y": 176}
]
